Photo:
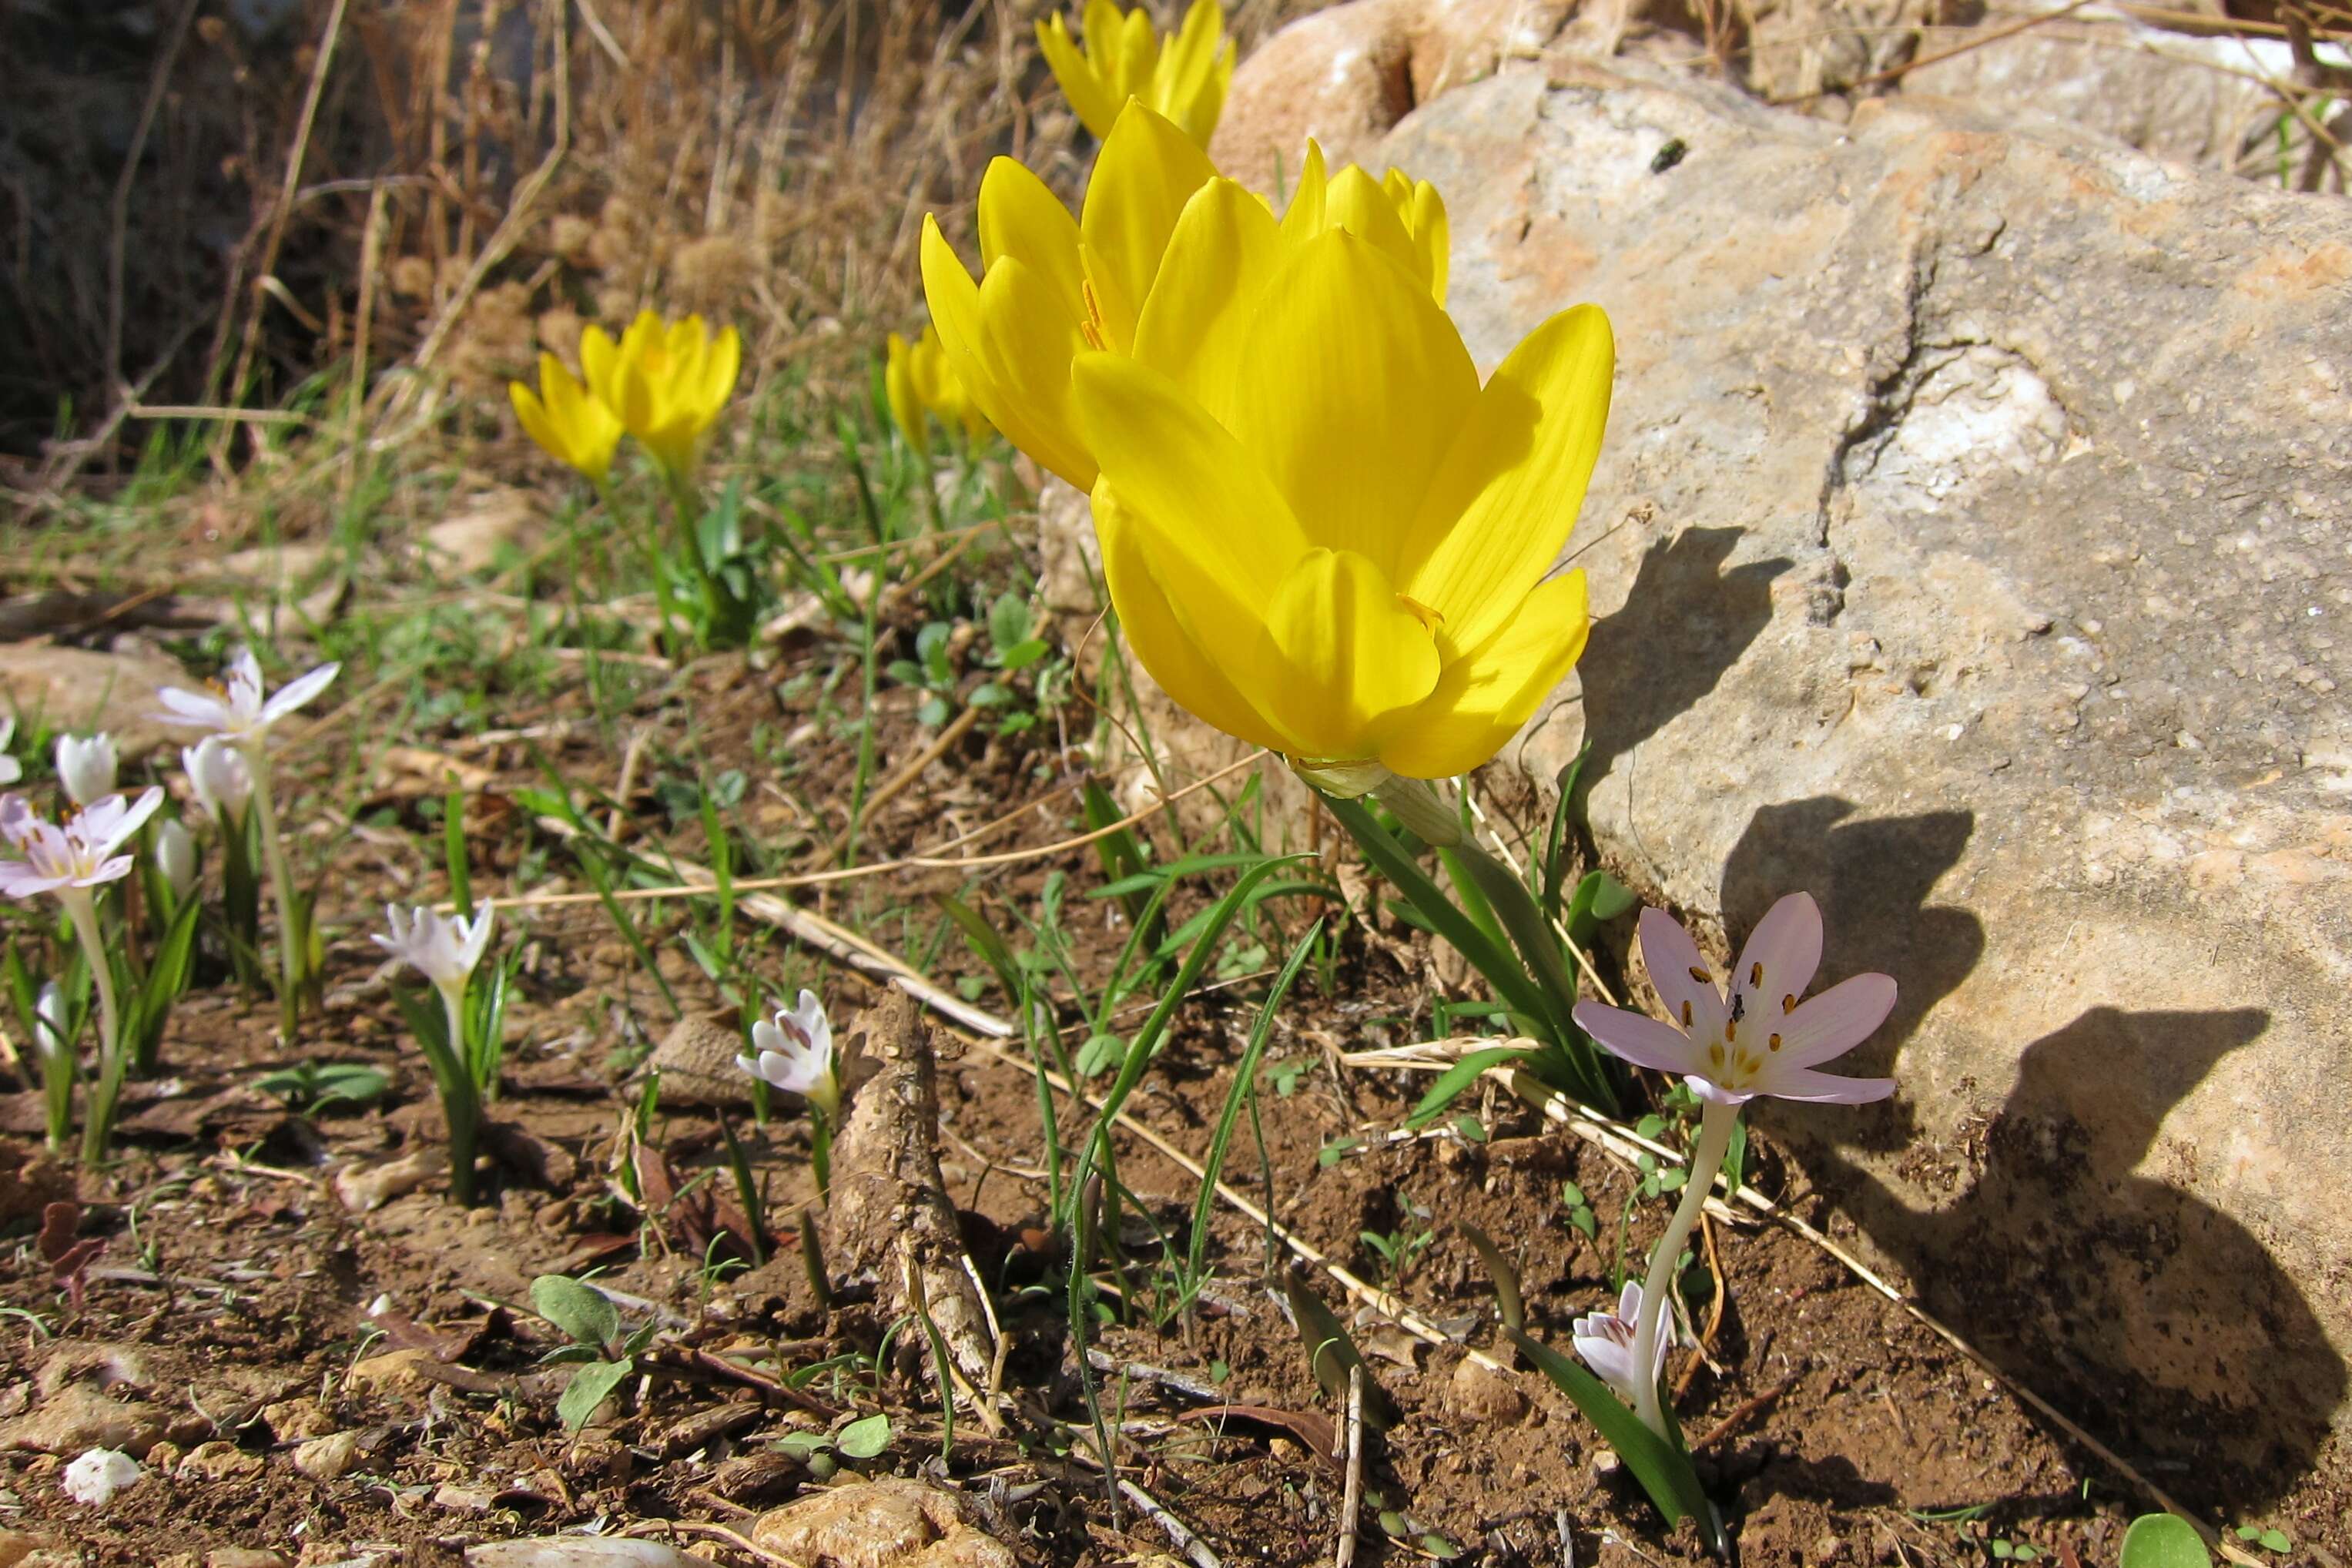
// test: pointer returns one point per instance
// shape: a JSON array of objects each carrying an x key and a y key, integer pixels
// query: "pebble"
[
  {"x": 329, "y": 1457},
  {"x": 94, "y": 1477},
  {"x": 297, "y": 1420},
  {"x": 219, "y": 1461},
  {"x": 246, "y": 1557}
]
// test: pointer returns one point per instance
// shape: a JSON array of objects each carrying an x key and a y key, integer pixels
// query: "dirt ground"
[{"x": 311, "y": 1370}]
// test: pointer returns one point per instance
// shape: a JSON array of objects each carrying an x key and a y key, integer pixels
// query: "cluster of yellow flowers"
[
  {"x": 919, "y": 381},
  {"x": 1183, "y": 77},
  {"x": 1321, "y": 533},
  {"x": 663, "y": 383}
]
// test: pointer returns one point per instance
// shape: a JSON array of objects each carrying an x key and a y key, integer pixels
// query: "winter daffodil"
[
  {"x": 571, "y": 423},
  {"x": 1321, "y": 533},
  {"x": 796, "y": 1054},
  {"x": 1767, "y": 1039},
  {"x": 71, "y": 861},
  {"x": 87, "y": 765},
  {"x": 667, "y": 381},
  {"x": 919, "y": 382},
  {"x": 1605, "y": 1341},
  {"x": 1183, "y": 77}
]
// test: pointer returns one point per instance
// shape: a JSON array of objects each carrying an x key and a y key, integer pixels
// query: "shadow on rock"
[
  {"x": 2156, "y": 1320},
  {"x": 1686, "y": 621}
]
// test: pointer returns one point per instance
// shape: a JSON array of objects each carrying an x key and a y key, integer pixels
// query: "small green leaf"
[
  {"x": 1584, "y": 1220},
  {"x": 2276, "y": 1541},
  {"x": 579, "y": 1309},
  {"x": 1472, "y": 1129},
  {"x": 588, "y": 1389},
  {"x": 1572, "y": 1196},
  {"x": 801, "y": 1445},
  {"x": 2248, "y": 1533},
  {"x": 1457, "y": 1079},
  {"x": 865, "y": 1437},
  {"x": 1392, "y": 1524},
  {"x": 2162, "y": 1540}
]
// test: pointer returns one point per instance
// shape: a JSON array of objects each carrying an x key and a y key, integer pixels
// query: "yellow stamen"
[
  {"x": 1755, "y": 974},
  {"x": 1788, "y": 1003},
  {"x": 1701, "y": 976},
  {"x": 1430, "y": 620},
  {"x": 1775, "y": 1042}
]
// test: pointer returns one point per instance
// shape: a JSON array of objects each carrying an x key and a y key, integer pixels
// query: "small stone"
[
  {"x": 464, "y": 1499},
  {"x": 94, "y": 1477},
  {"x": 246, "y": 1557},
  {"x": 395, "y": 1371},
  {"x": 297, "y": 1420},
  {"x": 875, "y": 1524},
  {"x": 217, "y": 1461},
  {"x": 165, "y": 1456},
  {"x": 1476, "y": 1393},
  {"x": 329, "y": 1457},
  {"x": 76, "y": 1418}
]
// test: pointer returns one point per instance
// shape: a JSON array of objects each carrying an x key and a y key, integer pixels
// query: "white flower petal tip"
[
  {"x": 1605, "y": 1341},
  {"x": 235, "y": 710},
  {"x": 1764, "y": 1039},
  {"x": 445, "y": 949},
  {"x": 219, "y": 777},
  {"x": 87, "y": 766}
]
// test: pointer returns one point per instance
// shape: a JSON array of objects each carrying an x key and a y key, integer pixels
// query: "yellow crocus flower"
[
  {"x": 1052, "y": 287},
  {"x": 1321, "y": 533},
  {"x": 569, "y": 423},
  {"x": 668, "y": 381},
  {"x": 1183, "y": 77},
  {"x": 919, "y": 381}
]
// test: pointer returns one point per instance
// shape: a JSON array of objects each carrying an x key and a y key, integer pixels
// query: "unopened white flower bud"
[{"x": 87, "y": 765}]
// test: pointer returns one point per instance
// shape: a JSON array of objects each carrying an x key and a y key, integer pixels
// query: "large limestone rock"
[{"x": 1971, "y": 547}]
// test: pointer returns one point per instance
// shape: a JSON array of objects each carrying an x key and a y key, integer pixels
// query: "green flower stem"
[
  {"x": 290, "y": 943},
  {"x": 647, "y": 548},
  {"x": 821, "y": 1152},
  {"x": 689, "y": 508},
  {"x": 1715, "y": 1122},
  {"x": 98, "y": 1120}
]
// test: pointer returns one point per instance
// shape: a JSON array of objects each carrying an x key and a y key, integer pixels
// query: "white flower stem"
[
  {"x": 98, "y": 1118},
  {"x": 281, "y": 881},
  {"x": 1715, "y": 1122}
]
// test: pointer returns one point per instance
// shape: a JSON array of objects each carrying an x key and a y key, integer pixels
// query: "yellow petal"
[
  {"x": 954, "y": 300},
  {"x": 1349, "y": 658},
  {"x": 1303, "y": 219},
  {"x": 535, "y": 423},
  {"x": 1356, "y": 203},
  {"x": 1432, "y": 235},
  {"x": 1019, "y": 216},
  {"x": 721, "y": 368},
  {"x": 1484, "y": 699},
  {"x": 899, "y": 390},
  {"x": 1194, "y": 327},
  {"x": 1160, "y": 639},
  {"x": 1100, "y": 20},
  {"x": 1507, "y": 496},
  {"x": 1024, "y": 349},
  {"x": 1354, "y": 386},
  {"x": 1090, "y": 97},
  {"x": 1135, "y": 51},
  {"x": 1147, "y": 171},
  {"x": 598, "y": 356}
]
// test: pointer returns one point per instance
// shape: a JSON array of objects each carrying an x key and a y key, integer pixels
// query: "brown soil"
[{"x": 234, "y": 1286}]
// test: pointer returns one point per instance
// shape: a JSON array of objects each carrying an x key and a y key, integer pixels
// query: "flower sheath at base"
[
  {"x": 1183, "y": 77},
  {"x": 1605, "y": 1341}
]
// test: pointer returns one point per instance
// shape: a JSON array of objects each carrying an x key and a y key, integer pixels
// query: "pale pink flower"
[
  {"x": 1605, "y": 1341},
  {"x": 1765, "y": 1040},
  {"x": 235, "y": 710},
  {"x": 796, "y": 1054},
  {"x": 76, "y": 855}
]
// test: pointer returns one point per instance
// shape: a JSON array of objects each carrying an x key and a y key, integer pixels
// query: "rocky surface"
[
  {"x": 83, "y": 690},
  {"x": 1970, "y": 547}
]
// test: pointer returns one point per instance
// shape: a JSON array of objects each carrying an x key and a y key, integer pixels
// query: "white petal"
[
  {"x": 1683, "y": 979},
  {"x": 1832, "y": 1024},
  {"x": 1782, "y": 956},
  {"x": 195, "y": 707},
  {"x": 299, "y": 692},
  {"x": 1826, "y": 1087},
  {"x": 1637, "y": 1037}
]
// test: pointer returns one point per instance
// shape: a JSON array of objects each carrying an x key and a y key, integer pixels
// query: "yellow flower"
[
  {"x": 668, "y": 381},
  {"x": 1183, "y": 79},
  {"x": 1321, "y": 534},
  {"x": 919, "y": 381},
  {"x": 571, "y": 424},
  {"x": 1050, "y": 288}
]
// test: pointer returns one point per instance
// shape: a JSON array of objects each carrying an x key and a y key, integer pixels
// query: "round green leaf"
[
  {"x": 865, "y": 1437},
  {"x": 2163, "y": 1540}
]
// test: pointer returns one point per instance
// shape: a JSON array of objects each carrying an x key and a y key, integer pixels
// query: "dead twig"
[
  {"x": 1745, "y": 1409},
  {"x": 1185, "y": 1541},
  {"x": 1351, "y": 1499}
]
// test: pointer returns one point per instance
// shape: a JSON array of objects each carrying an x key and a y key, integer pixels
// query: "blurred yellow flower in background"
[
  {"x": 919, "y": 381},
  {"x": 1404, "y": 217},
  {"x": 1321, "y": 534},
  {"x": 1183, "y": 77},
  {"x": 569, "y": 423},
  {"x": 669, "y": 381}
]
